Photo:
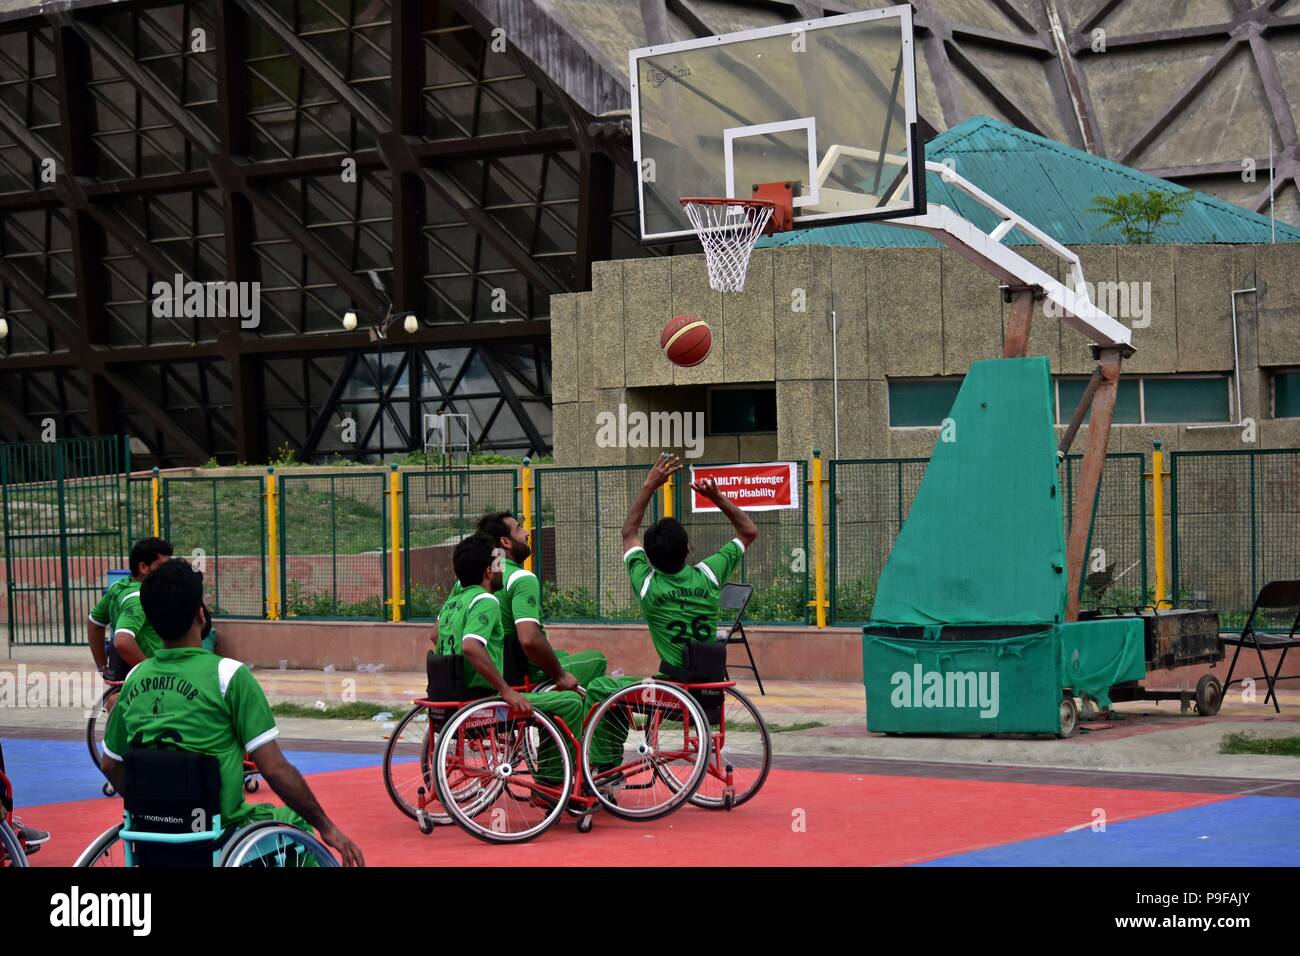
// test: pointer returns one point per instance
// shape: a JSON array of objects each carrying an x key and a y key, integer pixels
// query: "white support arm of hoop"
[{"x": 988, "y": 252}]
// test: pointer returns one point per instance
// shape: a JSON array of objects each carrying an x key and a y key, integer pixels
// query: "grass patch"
[
  {"x": 357, "y": 710},
  {"x": 741, "y": 727},
  {"x": 1268, "y": 746}
]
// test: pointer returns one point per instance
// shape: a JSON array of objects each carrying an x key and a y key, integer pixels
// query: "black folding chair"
[
  {"x": 735, "y": 598},
  {"x": 1274, "y": 598}
]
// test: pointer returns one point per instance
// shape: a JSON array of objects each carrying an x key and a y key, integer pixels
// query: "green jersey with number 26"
[{"x": 681, "y": 607}]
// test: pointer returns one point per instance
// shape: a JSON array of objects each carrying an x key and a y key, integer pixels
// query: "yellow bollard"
[
  {"x": 154, "y": 497},
  {"x": 1158, "y": 519},
  {"x": 395, "y": 540},
  {"x": 668, "y": 497},
  {"x": 819, "y": 602},
  {"x": 272, "y": 547},
  {"x": 526, "y": 508}
]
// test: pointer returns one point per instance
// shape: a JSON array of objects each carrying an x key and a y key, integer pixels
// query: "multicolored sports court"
[{"x": 817, "y": 808}]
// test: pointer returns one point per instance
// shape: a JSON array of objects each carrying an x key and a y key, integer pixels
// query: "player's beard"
[{"x": 519, "y": 551}]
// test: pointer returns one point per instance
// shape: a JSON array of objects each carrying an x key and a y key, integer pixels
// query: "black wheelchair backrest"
[{"x": 171, "y": 791}]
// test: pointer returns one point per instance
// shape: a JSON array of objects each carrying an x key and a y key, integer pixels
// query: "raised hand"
[{"x": 664, "y": 468}]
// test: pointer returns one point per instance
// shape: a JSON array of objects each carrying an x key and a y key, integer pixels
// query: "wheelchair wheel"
[
  {"x": 107, "y": 850},
  {"x": 742, "y": 748},
  {"x": 408, "y": 766},
  {"x": 11, "y": 848},
  {"x": 486, "y": 770},
  {"x": 95, "y": 728},
  {"x": 664, "y": 753},
  {"x": 275, "y": 846}
]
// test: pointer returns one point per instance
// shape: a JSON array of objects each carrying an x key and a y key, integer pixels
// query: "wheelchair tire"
[
  {"x": 95, "y": 727},
  {"x": 489, "y": 809},
  {"x": 404, "y": 792},
  {"x": 269, "y": 843},
  {"x": 749, "y": 770},
  {"x": 100, "y": 852},
  {"x": 643, "y": 782},
  {"x": 11, "y": 848}
]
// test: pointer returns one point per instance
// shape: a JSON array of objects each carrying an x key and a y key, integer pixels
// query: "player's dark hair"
[
  {"x": 494, "y": 525},
  {"x": 472, "y": 558},
  {"x": 147, "y": 551},
  {"x": 171, "y": 597},
  {"x": 666, "y": 545}
]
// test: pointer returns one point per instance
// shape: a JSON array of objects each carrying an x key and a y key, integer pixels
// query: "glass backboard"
[{"x": 827, "y": 104}]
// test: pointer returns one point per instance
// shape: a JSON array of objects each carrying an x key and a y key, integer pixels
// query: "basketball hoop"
[{"x": 728, "y": 230}]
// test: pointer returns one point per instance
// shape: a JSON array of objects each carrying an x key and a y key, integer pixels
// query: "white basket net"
[{"x": 728, "y": 230}]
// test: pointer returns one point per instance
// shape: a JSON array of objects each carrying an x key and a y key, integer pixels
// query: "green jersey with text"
[
  {"x": 191, "y": 699},
  {"x": 472, "y": 614},
  {"x": 120, "y": 610},
  {"x": 681, "y": 607}
]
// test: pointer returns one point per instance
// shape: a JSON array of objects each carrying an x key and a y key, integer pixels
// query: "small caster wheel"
[
  {"x": 585, "y": 823},
  {"x": 251, "y": 784},
  {"x": 107, "y": 789},
  {"x": 1069, "y": 717},
  {"x": 426, "y": 825},
  {"x": 1209, "y": 695},
  {"x": 729, "y": 799}
]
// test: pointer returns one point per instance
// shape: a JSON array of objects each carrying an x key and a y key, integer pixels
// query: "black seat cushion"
[
  {"x": 703, "y": 662},
  {"x": 172, "y": 791}
]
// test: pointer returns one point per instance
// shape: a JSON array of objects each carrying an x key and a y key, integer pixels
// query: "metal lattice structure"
[
  {"x": 490, "y": 165},
  {"x": 297, "y": 144}
]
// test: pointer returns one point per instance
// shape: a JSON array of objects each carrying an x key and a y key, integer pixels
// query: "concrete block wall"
[{"x": 902, "y": 313}]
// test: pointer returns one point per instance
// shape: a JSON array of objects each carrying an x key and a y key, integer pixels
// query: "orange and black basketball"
[{"x": 686, "y": 340}]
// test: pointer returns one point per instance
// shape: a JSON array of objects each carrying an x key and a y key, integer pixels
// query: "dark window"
[
  {"x": 1128, "y": 407},
  {"x": 1286, "y": 394},
  {"x": 1172, "y": 400},
  {"x": 738, "y": 411},
  {"x": 921, "y": 403}
]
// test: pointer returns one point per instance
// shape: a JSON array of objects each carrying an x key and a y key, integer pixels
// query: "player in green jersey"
[
  {"x": 188, "y": 698},
  {"x": 133, "y": 638},
  {"x": 470, "y": 625},
  {"x": 520, "y": 594},
  {"x": 679, "y": 599}
]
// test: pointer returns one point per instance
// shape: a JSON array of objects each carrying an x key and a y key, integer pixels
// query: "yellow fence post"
[
  {"x": 668, "y": 497},
  {"x": 819, "y": 602},
  {"x": 272, "y": 547},
  {"x": 395, "y": 539},
  {"x": 154, "y": 497},
  {"x": 1157, "y": 477},
  {"x": 526, "y": 509}
]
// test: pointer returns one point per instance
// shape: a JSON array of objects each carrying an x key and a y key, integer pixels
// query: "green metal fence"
[
  {"x": 65, "y": 510},
  {"x": 334, "y": 545},
  {"x": 579, "y": 513},
  {"x": 140, "y": 497},
  {"x": 870, "y": 499},
  {"x": 219, "y": 523},
  {"x": 778, "y": 565},
  {"x": 1235, "y": 518},
  {"x": 438, "y": 509}
]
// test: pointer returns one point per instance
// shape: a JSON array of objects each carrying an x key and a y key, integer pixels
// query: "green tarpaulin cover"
[
  {"x": 967, "y": 633},
  {"x": 984, "y": 542}
]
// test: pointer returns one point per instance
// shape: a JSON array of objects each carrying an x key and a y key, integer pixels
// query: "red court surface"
[{"x": 848, "y": 820}]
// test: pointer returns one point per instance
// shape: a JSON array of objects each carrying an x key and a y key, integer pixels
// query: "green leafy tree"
[{"x": 1140, "y": 214}]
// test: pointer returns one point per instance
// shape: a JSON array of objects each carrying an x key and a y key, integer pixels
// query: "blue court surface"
[
  {"x": 1243, "y": 831},
  {"x": 56, "y": 771}
]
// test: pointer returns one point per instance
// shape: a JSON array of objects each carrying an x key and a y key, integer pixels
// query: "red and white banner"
[{"x": 766, "y": 487}]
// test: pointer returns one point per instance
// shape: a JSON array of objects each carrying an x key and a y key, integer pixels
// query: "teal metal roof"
[{"x": 1052, "y": 186}]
